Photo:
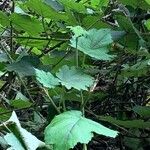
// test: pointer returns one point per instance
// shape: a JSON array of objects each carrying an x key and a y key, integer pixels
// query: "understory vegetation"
[{"x": 74, "y": 74}]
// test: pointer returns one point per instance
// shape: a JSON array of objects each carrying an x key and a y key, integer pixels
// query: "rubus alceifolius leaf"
[
  {"x": 94, "y": 43},
  {"x": 74, "y": 78},
  {"x": 69, "y": 128}
]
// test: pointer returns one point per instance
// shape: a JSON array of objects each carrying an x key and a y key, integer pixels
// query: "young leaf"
[
  {"x": 69, "y": 128},
  {"x": 94, "y": 43},
  {"x": 46, "y": 78},
  {"x": 74, "y": 78}
]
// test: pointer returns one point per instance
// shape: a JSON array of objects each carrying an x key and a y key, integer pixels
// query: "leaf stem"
[
  {"x": 51, "y": 100},
  {"x": 77, "y": 54}
]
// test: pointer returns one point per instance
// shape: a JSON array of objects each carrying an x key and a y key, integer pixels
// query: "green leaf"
[
  {"x": 25, "y": 67},
  {"x": 94, "y": 21},
  {"x": 32, "y": 42},
  {"x": 2, "y": 83},
  {"x": 136, "y": 3},
  {"x": 147, "y": 24},
  {"x": 94, "y": 43},
  {"x": 143, "y": 111},
  {"x": 4, "y": 19},
  {"x": 19, "y": 103},
  {"x": 148, "y": 1},
  {"x": 55, "y": 5},
  {"x": 19, "y": 138},
  {"x": 46, "y": 78},
  {"x": 127, "y": 123},
  {"x": 74, "y": 78},
  {"x": 69, "y": 128},
  {"x": 24, "y": 22},
  {"x": 45, "y": 10},
  {"x": 4, "y": 114},
  {"x": 137, "y": 70},
  {"x": 72, "y": 5},
  {"x": 99, "y": 3}
]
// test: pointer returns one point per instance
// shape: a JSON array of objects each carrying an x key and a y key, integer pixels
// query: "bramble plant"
[{"x": 75, "y": 73}]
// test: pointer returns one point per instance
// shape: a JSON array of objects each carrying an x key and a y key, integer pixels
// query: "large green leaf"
[
  {"x": 19, "y": 138},
  {"x": 26, "y": 23},
  {"x": 94, "y": 43},
  {"x": 72, "y": 77},
  {"x": 69, "y": 128},
  {"x": 45, "y": 10},
  {"x": 46, "y": 78}
]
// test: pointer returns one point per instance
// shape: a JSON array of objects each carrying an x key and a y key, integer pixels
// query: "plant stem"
[
  {"x": 63, "y": 99},
  {"x": 84, "y": 147},
  {"x": 77, "y": 54},
  {"x": 83, "y": 112},
  {"x": 82, "y": 102},
  {"x": 51, "y": 100}
]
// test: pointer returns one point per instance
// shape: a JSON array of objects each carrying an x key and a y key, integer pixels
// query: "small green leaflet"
[
  {"x": 94, "y": 43},
  {"x": 74, "y": 78},
  {"x": 69, "y": 128},
  {"x": 19, "y": 138},
  {"x": 46, "y": 78}
]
